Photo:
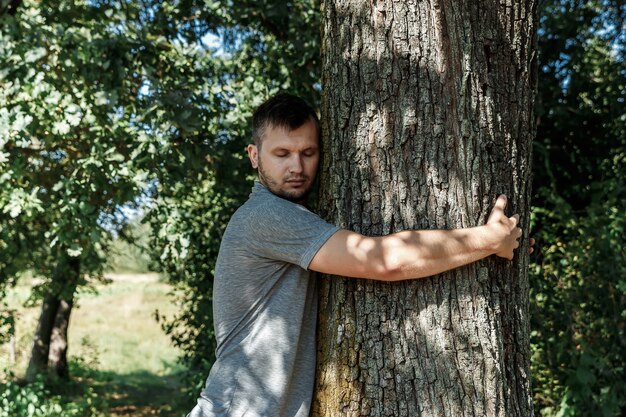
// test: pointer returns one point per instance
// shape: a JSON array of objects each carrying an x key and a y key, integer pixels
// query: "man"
[{"x": 265, "y": 300}]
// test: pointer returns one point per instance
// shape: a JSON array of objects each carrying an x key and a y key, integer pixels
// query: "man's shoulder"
[{"x": 271, "y": 214}]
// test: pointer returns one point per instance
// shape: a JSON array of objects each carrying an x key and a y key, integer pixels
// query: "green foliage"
[
  {"x": 582, "y": 93},
  {"x": 578, "y": 280},
  {"x": 130, "y": 253},
  {"x": 62, "y": 140},
  {"x": 38, "y": 400},
  {"x": 579, "y": 321},
  {"x": 97, "y": 102}
]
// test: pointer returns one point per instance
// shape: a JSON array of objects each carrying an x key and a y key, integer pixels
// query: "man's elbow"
[
  {"x": 389, "y": 270},
  {"x": 392, "y": 269},
  {"x": 384, "y": 259}
]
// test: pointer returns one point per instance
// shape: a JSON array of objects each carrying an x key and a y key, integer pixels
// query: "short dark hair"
[{"x": 282, "y": 110}]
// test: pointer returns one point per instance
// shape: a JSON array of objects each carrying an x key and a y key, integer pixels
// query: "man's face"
[{"x": 287, "y": 160}]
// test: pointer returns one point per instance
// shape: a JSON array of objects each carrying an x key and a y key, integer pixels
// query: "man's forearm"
[
  {"x": 417, "y": 253},
  {"x": 422, "y": 253}
]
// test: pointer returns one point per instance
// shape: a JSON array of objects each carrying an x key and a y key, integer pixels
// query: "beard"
[{"x": 295, "y": 196}]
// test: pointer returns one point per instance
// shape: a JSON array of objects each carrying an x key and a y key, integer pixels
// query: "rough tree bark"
[{"x": 426, "y": 118}]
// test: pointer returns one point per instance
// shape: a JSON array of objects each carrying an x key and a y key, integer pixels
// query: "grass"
[{"x": 116, "y": 344}]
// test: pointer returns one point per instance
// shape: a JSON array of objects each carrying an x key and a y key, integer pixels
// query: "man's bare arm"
[{"x": 417, "y": 253}]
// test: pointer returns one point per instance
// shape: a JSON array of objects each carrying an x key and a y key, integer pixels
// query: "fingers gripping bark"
[{"x": 504, "y": 230}]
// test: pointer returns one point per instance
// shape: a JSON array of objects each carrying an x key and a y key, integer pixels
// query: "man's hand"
[{"x": 503, "y": 230}]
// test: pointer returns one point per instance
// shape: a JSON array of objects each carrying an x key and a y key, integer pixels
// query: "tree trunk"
[
  {"x": 50, "y": 342},
  {"x": 426, "y": 118},
  {"x": 41, "y": 344},
  {"x": 57, "y": 358}
]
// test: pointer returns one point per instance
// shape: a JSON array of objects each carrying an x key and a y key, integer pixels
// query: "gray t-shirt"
[{"x": 265, "y": 311}]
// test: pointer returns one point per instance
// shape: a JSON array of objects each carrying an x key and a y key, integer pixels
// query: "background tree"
[
  {"x": 426, "y": 118},
  {"x": 95, "y": 105},
  {"x": 55, "y": 117}
]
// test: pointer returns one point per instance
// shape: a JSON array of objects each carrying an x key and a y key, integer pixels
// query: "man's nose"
[{"x": 296, "y": 165}]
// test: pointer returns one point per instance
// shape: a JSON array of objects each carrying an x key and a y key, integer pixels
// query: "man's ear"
[{"x": 253, "y": 154}]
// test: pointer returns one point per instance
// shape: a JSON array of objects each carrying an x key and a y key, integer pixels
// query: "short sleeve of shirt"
[{"x": 289, "y": 232}]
